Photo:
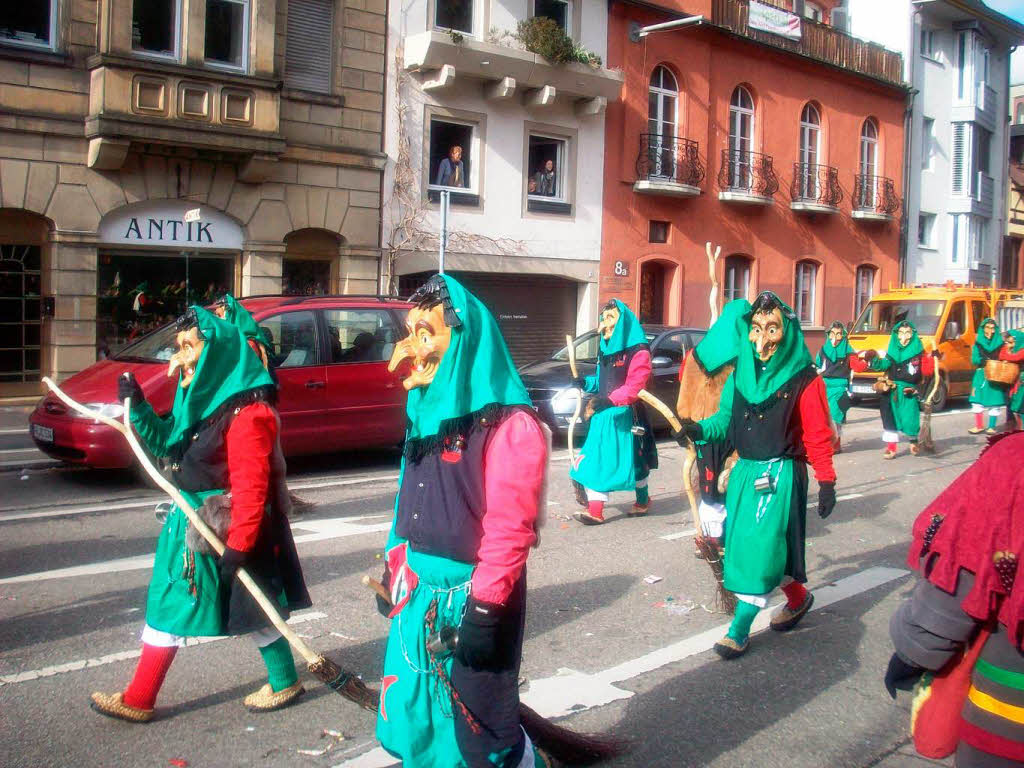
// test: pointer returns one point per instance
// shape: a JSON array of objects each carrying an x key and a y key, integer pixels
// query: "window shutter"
[
  {"x": 308, "y": 46},
  {"x": 959, "y": 159}
]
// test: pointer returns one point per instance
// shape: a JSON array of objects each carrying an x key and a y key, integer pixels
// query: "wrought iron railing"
[
  {"x": 669, "y": 158},
  {"x": 876, "y": 194},
  {"x": 749, "y": 172},
  {"x": 818, "y": 184}
]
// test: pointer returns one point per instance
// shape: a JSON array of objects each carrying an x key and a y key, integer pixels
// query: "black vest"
[
  {"x": 901, "y": 371},
  {"x": 840, "y": 369},
  {"x": 768, "y": 430},
  {"x": 986, "y": 354},
  {"x": 615, "y": 367}
]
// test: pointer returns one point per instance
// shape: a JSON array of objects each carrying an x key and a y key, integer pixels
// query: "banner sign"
[{"x": 768, "y": 18}]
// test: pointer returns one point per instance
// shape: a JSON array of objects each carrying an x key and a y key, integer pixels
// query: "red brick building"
[{"x": 785, "y": 151}]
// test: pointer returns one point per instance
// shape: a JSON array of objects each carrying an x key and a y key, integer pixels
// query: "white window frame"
[
  {"x": 968, "y": 239},
  {"x": 928, "y": 144},
  {"x": 656, "y": 124},
  {"x": 736, "y": 266},
  {"x": 806, "y": 270},
  {"x": 1019, "y": 113},
  {"x": 809, "y": 153},
  {"x": 176, "y": 54},
  {"x": 562, "y": 169},
  {"x": 814, "y": 12},
  {"x": 926, "y": 234},
  {"x": 860, "y": 299},
  {"x": 741, "y": 143},
  {"x": 568, "y": 14},
  {"x": 50, "y": 45},
  {"x": 927, "y": 43},
  {"x": 473, "y": 19},
  {"x": 227, "y": 66},
  {"x": 475, "y": 153}
]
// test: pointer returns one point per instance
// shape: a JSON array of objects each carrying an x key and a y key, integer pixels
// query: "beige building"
[{"x": 161, "y": 152}]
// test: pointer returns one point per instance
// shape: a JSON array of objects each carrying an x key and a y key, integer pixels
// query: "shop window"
[
  {"x": 547, "y": 174},
  {"x": 658, "y": 232},
  {"x": 308, "y": 45},
  {"x": 28, "y": 23},
  {"x": 806, "y": 291},
  {"x": 559, "y": 11},
  {"x": 865, "y": 288},
  {"x": 155, "y": 27},
  {"x": 737, "y": 278},
  {"x": 306, "y": 278},
  {"x": 452, "y": 164},
  {"x": 292, "y": 339},
  {"x": 20, "y": 276},
  {"x": 360, "y": 335},
  {"x": 227, "y": 33},
  {"x": 454, "y": 14}
]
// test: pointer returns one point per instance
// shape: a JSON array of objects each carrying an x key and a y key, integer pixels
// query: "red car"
[{"x": 331, "y": 355}]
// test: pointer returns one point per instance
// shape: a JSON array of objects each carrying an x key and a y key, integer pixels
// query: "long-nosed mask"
[
  {"x": 190, "y": 348},
  {"x": 766, "y": 331},
  {"x": 609, "y": 319},
  {"x": 428, "y": 340},
  {"x": 904, "y": 335}
]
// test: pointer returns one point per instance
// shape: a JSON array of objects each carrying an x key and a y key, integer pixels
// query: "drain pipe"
[{"x": 908, "y": 147}]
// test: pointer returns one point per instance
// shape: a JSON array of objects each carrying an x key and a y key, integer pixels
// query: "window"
[
  {"x": 454, "y": 14},
  {"x": 155, "y": 27},
  {"x": 741, "y": 138},
  {"x": 968, "y": 239},
  {"x": 662, "y": 116},
  {"x": 292, "y": 339},
  {"x": 658, "y": 232},
  {"x": 227, "y": 33},
  {"x": 1020, "y": 114},
  {"x": 810, "y": 140},
  {"x": 559, "y": 11},
  {"x": 961, "y": 66},
  {"x": 20, "y": 325},
  {"x": 926, "y": 230},
  {"x": 868, "y": 164},
  {"x": 865, "y": 288},
  {"x": 928, "y": 43},
  {"x": 927, "y": 143},
  {"x": 305, "y": 277},
  {"x": 957, "y": 317},
  {"x": 308, "y": 45},
  {"x": 453, "y": 153},
  {"x": 673, "y": 347},
  {"x": 737, "y": 278},
  {"x": 360, "y": 335},
  {"x": 813, "y": 12},
  {"x": 960, "y": 159},
  {"x": 547, "y": 166},
  {"x": 31, "y": 23},
  {"x": 806, "y": 290},
  {"x": 978, "y": 313},
  {"x": 982, "y": 147}
]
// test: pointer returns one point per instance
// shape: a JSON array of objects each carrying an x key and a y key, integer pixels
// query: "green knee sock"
[
  {"x": 280, "y": 665},
  {"x": 642, "y": 496},
  {"x": 744, "y": 616},
  {"x": 992, "y": 420}
]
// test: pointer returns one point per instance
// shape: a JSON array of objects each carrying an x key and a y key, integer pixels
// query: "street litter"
[
  {"x": 336, "y": 738},
  {"x": 177, "y": 762},
  {"x": 652, "y": 579},
  {"x": 343, "y": 637}
]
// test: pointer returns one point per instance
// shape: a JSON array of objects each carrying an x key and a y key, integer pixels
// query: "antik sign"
[
  {"x": 171, "y": 224},
  {"x": 768, "y": 18}
]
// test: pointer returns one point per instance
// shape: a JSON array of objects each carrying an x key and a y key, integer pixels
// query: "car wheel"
[{"x": 941, "y": 398}]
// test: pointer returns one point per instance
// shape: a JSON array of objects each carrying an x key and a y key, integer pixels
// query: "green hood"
[
  {"x": 476, "y": 372},
  {"x": 226, "y": 368},
  {"x": 721, "y": 344},
  {"x": 239, "y": 316},
  {"x": 899, "y": 354},
  {"x": 834, "y": 352},
  {"x": 628, "y": 332},
  {"x": 1018, "y": 340},
  {"x": 758, "y": 381},
  {"x": 988, "y": 345}
]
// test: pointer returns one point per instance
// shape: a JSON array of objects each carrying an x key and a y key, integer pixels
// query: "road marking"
[
  {"x": 328, "y": 528},
  {"x": 680, "y": 535},
  {"x": 568, "y": 691},
  {"x": 335, "y": 483},
  {"x": 30, "y": 464},
  {"x": 13, "y": 431},
  {"x": 68, "y": 511},
  {"x": 19, "y": 450},
  {"x": 110, "y": 658}
]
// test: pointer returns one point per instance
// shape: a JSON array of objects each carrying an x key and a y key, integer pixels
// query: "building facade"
[
  {"x": 517, "y": 142},
  {"x": 783, "y": 148},
  {"x": 957, "y": 61},
  {"x": 1010, "y": 268},
  {"x": 160, "y": 153}
]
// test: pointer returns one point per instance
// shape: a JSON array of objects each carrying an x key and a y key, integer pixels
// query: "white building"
[
  {"x": 957, "y": 61},
  {"x": 527, "y": 242}
]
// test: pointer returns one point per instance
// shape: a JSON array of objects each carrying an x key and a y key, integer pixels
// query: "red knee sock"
[
  {"x": 596, "y": 509},
  {"x": 795, "y": 593},
  {"x": 149, "y": 676},
  {"x": 979, "y": 420},
  {"x": 891, "y": 446}
]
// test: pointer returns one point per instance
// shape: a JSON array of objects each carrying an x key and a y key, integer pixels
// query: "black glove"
[
  {"x": 938, "y": 355},
  {"x": 482, "y": 643},
  {"x": 229, "y": 563},
  {"x": 127, "y": 386},
  {"x": 689, "y": 430},
  {"x": 598, "y": 404},
  {"x": 901, "y": 675},
  {"x": 826, "y": 499},
  {"x": 384, "y": 607},
  {"x": 580, "y": 382}
]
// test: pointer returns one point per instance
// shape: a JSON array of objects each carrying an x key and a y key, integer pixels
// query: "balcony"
[
  {"x": 506, "y": 73},
  {"x": 981, "y": 107},
  {"x": 135, "y": 100},
  {"x": 668, "y": 165},
  {"x": 874, "y": 198},
  {"x": 747, "y": 178},
  {"x": 815, "y": 188},
  {"x": 817, "y": 41},
  {"x": 979, "y": 198}
]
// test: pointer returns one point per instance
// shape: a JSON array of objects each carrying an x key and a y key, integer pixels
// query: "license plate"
[
  {"x": 863, "y": 389},
  {"x": 42, "y": 433}
]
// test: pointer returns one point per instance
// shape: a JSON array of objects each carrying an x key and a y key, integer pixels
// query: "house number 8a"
[{"x": 621, "y": 269}]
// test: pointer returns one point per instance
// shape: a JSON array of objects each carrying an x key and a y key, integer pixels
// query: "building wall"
[{"x": 708, "y": 67}]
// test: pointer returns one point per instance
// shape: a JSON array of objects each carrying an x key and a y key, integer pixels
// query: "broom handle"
[
  {"x": 579, "y": 399},
  {"x": 691, "y": 494},
  {"x": 661, "y": 408}
]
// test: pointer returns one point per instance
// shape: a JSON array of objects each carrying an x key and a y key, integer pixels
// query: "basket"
[
  {"x": 883, "y": 385},
  {"x": 1002, "y": 372}
]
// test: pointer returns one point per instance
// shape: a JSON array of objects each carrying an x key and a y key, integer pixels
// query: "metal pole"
[
  {"x": 443, "y": 243},
  {"x": 689, "y": 21}
]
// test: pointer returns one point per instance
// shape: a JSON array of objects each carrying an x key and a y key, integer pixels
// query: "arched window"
[
  {"x": 864, "y": 288},
  {"x": 810, "y": 139},
  {"x": 662, "y": 121},
  {"x": 868, "y": 168},
  {"x": 737, "y": 278},
  {"x": 741, "y": 138},
  {"x": 806, "y": 290}
]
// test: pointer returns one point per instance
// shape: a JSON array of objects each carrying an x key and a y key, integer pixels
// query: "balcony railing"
[
  {"x": 815, "y": 186},
  {"x": 817, "y": 41},
  {"x": 669, "y": 159},
  {"x": 749, "y": 173},
  {"x": 875, "y": 196}
]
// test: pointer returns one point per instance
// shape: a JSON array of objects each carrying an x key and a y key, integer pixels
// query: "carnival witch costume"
[
  {"x": 986, "y": 395},
  {"x": 220, "y": 438},
  {"x": 613, "y": 458},
  {"x": 774, "y": 411},
  {"x": 833, "y": 363},
  {"x": 1013, "y": 351}
]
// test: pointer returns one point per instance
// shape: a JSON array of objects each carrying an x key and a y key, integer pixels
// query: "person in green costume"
[
  {"x": 220, "y": 439},
  {"x": 833, "y": 364},
  {"x": 908, "y": 368},
  {"x": 986, "y": 395},
  {"x": 231, "y": 310},
  {"x": 612, "y": 457},
  {"x": 774, "y": 411},
  {"x": 1013, "y": 351}
]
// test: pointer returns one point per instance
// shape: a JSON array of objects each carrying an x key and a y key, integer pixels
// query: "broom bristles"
[
  {"x": 345, "y": 683},
  {"x": 724, "y": 599},
  {"x": 568, "y": 746},
  {"x": 924, "y": 441}
]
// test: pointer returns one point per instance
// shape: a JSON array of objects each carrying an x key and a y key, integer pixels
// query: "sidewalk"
[{"x": 906, "y": 757}]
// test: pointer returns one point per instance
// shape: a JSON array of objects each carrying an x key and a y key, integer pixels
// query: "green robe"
[
  {"x": 906, "y": 409},
  {"x": 836, "y": 389},
  {"x": 986, "y": 393},
  {"x": 1017, "y": 398}
]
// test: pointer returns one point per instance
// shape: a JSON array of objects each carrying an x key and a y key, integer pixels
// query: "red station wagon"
[{"x": 331, "y": 355}]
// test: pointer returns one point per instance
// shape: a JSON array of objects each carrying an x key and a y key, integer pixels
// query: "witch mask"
[
  {"x": 766, "y": 330},
  {"x": 609, "y": 319},
  {"x": 989, "y": 330},
  {"x": 190, "y": 348},
  {"x": 835, "y": 335},
  {"x": 904, "y": 335},
  {"x": 429, "y": 338}
]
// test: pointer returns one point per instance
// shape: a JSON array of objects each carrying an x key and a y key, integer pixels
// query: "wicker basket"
[{"x": 1002, "y": 372}]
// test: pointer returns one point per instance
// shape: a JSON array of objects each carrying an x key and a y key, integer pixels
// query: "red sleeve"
[
  {"x": 857, "y": 364},
  {"x": 816, "y": 430},
  {"x": 927, "y": 365},
  {"x": 636, "y": 379},
  {"x": 1013, "y": 357},
  {"x": 250, "y": 442},
  {"x": 515, "y": 462},
  {"x": 682, "y": 365}
]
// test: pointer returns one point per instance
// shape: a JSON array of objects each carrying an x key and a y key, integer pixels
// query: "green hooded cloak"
[
  {"x": 905, "y": 409},
  {"x": 758, "y": 381},
  {"x": 896, "y": 351},
  {"x": 842, "y": 350},
  {"x": 627, "y": 333},
  {"x": 836, "y": 387},
  {"x": 240, "y": 317},
  {"x": 1017, "y": 400},
  {"x": 721, "y": 344},
  {"x": 988, "y": 394}
]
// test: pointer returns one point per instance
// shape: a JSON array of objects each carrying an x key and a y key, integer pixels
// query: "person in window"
[
  {"x": 545, "y": 179},
  {"x": 452, "y": 171}
]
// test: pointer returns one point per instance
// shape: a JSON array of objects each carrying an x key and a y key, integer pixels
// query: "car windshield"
[
  {"x": 881, "y": 316},
  {"x": 155, "y": 347},
  {"x": 588, "y": 345}
]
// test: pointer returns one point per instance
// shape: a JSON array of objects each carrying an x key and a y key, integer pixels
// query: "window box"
[
  {"x": 538, "y": 205},
  {"x": 455, "y": 197}
]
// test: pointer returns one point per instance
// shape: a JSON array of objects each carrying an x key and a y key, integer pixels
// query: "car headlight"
[
  {"x": 110, "y": 410},
  {"x": 564, "y": 401}
]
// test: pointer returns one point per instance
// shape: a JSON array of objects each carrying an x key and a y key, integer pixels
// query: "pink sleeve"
[
  {"x": 857, "y": 364},
  {"x": 1013, "y": 357},
  {"x": 816, "y": 428},
  {"x": 515, "y": 462},
  {"x": 636, "y": 379}
]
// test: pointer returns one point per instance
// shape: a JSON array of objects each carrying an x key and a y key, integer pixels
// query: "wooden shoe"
[
  {"x": 728, "y": 648},
  {"x": 266, "y": 699},
  {"x": 991, "y": 431},
  {"x": 787, "y": 618},
  {"x": 975, "y": 430},
  {"x": 112, "y": 705},
  {"x": 915, "y": 449},
  {"x": 887, "y": 454},
  {"x": 638, "y": 510},
  {"x": 588, "y": 519}
]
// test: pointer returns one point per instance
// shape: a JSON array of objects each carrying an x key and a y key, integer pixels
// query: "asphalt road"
[{"x": 605, "y": 650}]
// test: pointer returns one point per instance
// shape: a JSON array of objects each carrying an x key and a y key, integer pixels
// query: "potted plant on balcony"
[{"x": 544, "y": 37}]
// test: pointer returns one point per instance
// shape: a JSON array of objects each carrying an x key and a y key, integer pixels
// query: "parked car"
[
  {"x": 550, "y": 381},
  {"x": 331, "y": 355}
]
